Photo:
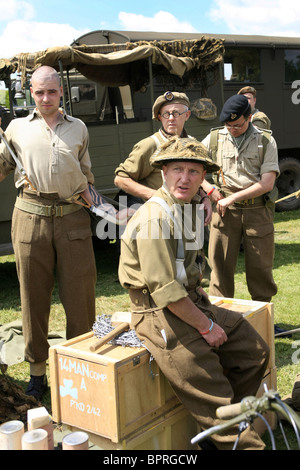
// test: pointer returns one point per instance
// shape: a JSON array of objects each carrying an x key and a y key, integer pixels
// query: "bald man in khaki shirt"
[{"x": 50, "y": 234}]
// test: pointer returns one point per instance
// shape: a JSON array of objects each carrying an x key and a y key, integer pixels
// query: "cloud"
[
  {"x": 30, "y": 36},
  {"x": 11, "y": 9},
  {"x": 270, "y": 17},
  {"x": 161, "y": 21}
]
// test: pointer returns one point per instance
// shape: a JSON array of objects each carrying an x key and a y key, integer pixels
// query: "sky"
[{"x": 35, "y": 25}]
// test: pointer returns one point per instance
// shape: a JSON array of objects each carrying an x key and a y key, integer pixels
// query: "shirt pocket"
[
  {"x": 252, "y": 163},
  {"x": 228, "y": 161}
]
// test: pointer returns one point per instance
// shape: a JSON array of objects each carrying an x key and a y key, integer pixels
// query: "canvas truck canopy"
[{"x": 125, "y": 64}]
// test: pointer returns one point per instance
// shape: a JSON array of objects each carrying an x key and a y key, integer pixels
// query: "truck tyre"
[{"x": 288, "y": 183}]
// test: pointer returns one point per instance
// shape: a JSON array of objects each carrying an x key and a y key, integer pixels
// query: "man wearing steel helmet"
[
  {"x": 191, "y": 340},
  {"x": 135, "y": 176},
  {"x": 243, "y": 208}
]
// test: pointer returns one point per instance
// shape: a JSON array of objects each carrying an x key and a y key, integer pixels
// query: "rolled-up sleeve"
[{"x": 270, "y": 162}]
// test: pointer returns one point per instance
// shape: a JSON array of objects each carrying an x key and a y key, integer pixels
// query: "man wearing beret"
[
  {"x": 258, "y": 118},
  {"x": 191, "y": 340},
  {"x": 243, "y": 210},
  {"x": 135, "y": 176}
]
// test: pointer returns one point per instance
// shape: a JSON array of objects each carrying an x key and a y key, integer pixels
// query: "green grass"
[
  {"x": 110, "y": 296},
  {"x": 286, "y": 302}
]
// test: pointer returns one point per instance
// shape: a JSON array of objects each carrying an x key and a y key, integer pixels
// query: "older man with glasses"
[
  {"x": 243, "y": 208},
  {"x": 135, "y": 176}
]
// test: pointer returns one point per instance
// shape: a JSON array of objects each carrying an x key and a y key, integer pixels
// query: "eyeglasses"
[
  {"x": 237, "y": 126},
  {"x": 175, "y": 114}
]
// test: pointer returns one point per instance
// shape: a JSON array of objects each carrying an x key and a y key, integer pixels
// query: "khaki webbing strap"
[
  {"x": 264, "y": 140},
  {"x": 46, "y": 211},
  {"x": 213, "y": 144},
  {"x": 213, "y": 147}
]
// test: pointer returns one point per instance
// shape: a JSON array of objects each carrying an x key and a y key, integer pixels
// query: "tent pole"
[{"x": 151, "y": 88}]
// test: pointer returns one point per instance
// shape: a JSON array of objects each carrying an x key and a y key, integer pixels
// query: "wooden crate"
[
  {"x": 112, "y": 393},
  {"x": 269, "y": 380},
  {"x": 259, "y": 314},
  {"x": 171, "y": 431}
]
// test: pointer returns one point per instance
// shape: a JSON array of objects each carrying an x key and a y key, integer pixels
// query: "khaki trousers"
[
  {"x": 254, "y": 226},
  {"x": 47, "y": 248},
  {"x": 196, "y": 371}
]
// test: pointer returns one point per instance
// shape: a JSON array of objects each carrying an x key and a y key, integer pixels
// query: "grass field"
[{"x": 111, "y": 297}]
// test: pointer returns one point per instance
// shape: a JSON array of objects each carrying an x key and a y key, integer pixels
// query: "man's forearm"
[
  {"x": 187, "y": 311},
  {"x": 133, "y": 187}
]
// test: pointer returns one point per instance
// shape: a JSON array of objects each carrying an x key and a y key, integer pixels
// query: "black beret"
[{"x": 235, "y": 107}]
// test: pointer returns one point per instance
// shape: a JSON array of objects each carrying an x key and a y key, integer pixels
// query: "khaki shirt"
[
  {"x": 149, "y": 251},
  {"x": 137, "y": 166},
  {"x": 55, "y": 161},
  {"x": 244, "y": 166},
  {"x": 260, "y": 120}
]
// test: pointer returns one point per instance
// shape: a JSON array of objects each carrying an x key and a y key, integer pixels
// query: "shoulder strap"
[
  {"x": 181, "y": 272},
  {"x": 264, "y": 140},
  {"x": 156, "y": 139},
  {"x": 213, "y": 144},
  {"x": 167, "y": 209}
]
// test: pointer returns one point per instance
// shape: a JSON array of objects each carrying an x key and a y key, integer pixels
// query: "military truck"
[{"x": 111, "y": 79}]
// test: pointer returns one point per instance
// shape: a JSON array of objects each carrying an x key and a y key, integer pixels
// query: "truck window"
[
  {"x": 242, "y": 65},
  {"x": 292, "y": 64},
  {"x": 94, "y": 102},
  {"x": 87, "y": 91}
]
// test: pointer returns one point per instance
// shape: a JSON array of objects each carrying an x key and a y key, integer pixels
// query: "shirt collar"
[
  {"x": 37, "y": 114},
  {"x": 165, "y": 134}
]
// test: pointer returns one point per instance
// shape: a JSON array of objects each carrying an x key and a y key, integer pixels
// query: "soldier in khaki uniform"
[
  {"x": 49, "y": 233},
  {"x": 243, "y": 209},
  {"x": 258, "y": 118},
  {"x": 191, "y": 340},
  {"x": 135, "y": 176}
]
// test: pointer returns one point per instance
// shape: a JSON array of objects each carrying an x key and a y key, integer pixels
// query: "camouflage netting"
[
  {"x": 177, "y": 63},
  {"x": 207, "y": 54}
]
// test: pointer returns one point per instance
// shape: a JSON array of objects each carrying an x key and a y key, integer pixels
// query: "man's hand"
[
  {"x": 216, "y": 337},
  {"x": 216, "y": 195},
  {"x": 192, "y": 315},
  {"x": 222, "y": 205}
]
